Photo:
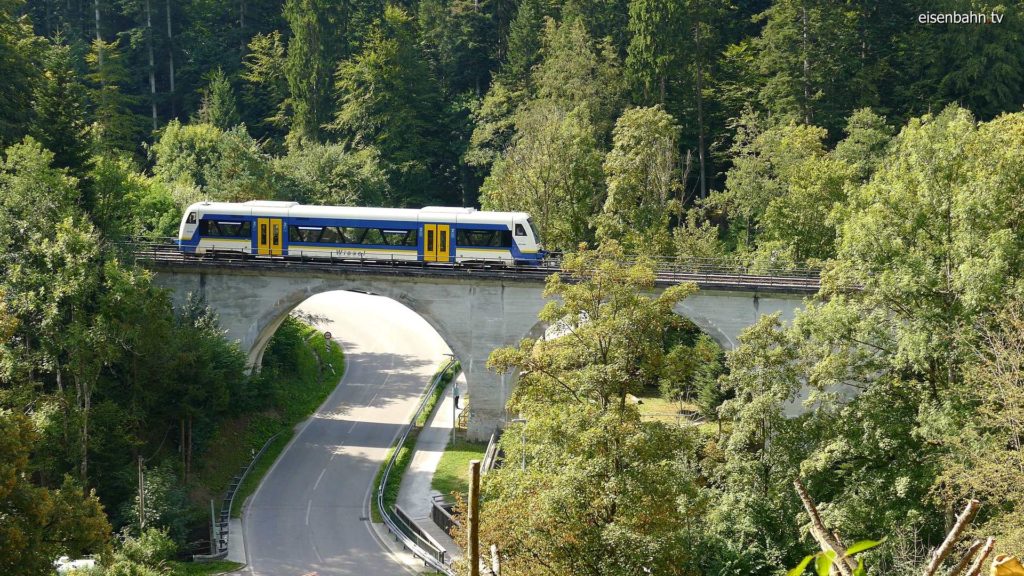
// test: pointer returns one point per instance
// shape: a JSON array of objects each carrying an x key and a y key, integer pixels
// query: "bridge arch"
[{"x": 473, "y": 315}]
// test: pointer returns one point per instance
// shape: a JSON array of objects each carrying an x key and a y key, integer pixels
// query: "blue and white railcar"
[{"x": 432, "y": 234}]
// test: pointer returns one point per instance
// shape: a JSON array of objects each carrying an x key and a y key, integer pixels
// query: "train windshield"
[{"x": 536, "y": 232}]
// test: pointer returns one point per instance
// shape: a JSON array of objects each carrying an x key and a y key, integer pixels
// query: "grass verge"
[
  {"x": 407, "y": 448},
  {"x": 203, "y": 568},
  {"x": 299, "y": 397},
  {"x": 452, "y": 473},
  {"x": 300, "y": 370}
]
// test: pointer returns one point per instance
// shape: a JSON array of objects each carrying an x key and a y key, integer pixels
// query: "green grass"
[
  {"x": 406, "y": 449},
  {"x": 654, "y": 407},
  {"x": 296, "y": 392},
  {"x": 452, "y": 473},
  {"x": 203, "y": 568}
]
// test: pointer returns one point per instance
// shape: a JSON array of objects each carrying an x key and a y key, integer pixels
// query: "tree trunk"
[
  {"x": 152, "y": 62},
  {"x": 241, "y": 28},
  {"x": 96, "y": 7},
  {"x": 188, "y": 449},
  {"x": 85, "y": 402},
  {"x": 99, "y": 37},
  {"x": 170, "y": 57},
  {"x": 807, "y": 66},
  {"x": 700, "y": 110}
]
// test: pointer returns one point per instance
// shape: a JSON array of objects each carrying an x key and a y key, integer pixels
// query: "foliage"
[
  {"x": 219, "y": 108},
  {"x": 823, "y": 561},
  {"x": 388, "y": 99},
  {"x": 602, "y": 492},
  {"x": 200, "y": 161},
  {"x": 328, "y": 174},
  {"x": 41, "y": 524},
  {"x": 641, "y": 179},
  {"x": 553, "y": 171},
  {"x": 60, "y": 108}
]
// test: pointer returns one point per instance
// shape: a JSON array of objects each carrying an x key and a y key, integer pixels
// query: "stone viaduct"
[{"x": 474, "y": 313}]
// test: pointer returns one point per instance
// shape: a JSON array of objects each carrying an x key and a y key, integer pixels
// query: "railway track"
[{"x": 707, "y": 274}]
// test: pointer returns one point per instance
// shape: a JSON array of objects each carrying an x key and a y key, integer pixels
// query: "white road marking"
[
  {"x": 308, "y": 507},
  {"x": 319, "y": 478},
  {"x": 352, "y": 427}
]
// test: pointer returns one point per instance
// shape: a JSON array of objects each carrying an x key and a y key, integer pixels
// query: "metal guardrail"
[
  {"x": 220, "y": 544},
  {"x": 391, "y": 522},
  {"x": 706, "y": 273},
  {"x": 441, "y": 514},
  {"x": 410, "y": 529},
  {"x": 491, "y": 454}
]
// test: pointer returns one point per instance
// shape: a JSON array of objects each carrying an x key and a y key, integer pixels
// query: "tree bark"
[
  {"x": 807, "y": 66},
  {"x": 979, "y": 562},
  {"x": 966, "y": 560},
  {"x": 825, "y": 538},
  {"x": 962, "y": 522},
  {"x": 170, "y": 57},
  {"x": 241, "y": 26},
  {"x": 700, "y": 110},
  {"x": 152, "y": 62}
]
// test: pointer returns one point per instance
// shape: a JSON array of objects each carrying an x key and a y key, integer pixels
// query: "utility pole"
[{"x": 474, "y": 518}]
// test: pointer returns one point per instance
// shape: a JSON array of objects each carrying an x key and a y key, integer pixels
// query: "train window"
[
  {"x": 351, "y": 235},
  {"x": 484, "y": 238},
  {"x": 373, "y": 236},
  {"x": 191, "y": 218},
  {"x": 304, "y": 233},
  {"x": 520, "y": 231},
  {"x": 536, "y": 233},
  {"x": 263, "y": 234},
  {"x": 442, "y": 241},
  {"x": 246, "y": 230},
  {"x": 204, "y": 227},
  {"x": 229, "y": 229},
  {"x": 331, "y": 234},
  {"x": 399, "y": 237},
  {"x": 430, "y": 241}
]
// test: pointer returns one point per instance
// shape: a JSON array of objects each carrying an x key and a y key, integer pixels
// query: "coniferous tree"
[
  {"x": 60, "y": 110},
  {"x": 388, "y": 99},
  {"x": 219, "y": 108},
  {"x": 308, "y": 68},
  {"x": 17, "y": 71},
  {"x": 115, "y": 125}
]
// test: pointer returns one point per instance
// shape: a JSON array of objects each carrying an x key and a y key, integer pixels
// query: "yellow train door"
[
  {"x": 443, "y": 250},
  {"x": 269, "y": 236},
  {"x": 436, "y": 247},
  {"x": 430, "y": 242}
]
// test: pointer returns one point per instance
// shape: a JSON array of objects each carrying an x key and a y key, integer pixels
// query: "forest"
[{"x": 845, "y": 136}]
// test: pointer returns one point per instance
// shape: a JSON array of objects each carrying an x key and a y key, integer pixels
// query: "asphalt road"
[{"x": 310, "y": 512}]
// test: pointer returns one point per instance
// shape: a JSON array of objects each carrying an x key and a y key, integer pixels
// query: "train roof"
[{"x": 296, "y": 210}]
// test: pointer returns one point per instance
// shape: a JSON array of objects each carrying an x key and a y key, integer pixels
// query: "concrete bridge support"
[{"x": 473, "y": 315}]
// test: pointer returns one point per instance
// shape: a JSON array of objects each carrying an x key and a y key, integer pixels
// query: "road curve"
[{"x": 309, "y": 514}]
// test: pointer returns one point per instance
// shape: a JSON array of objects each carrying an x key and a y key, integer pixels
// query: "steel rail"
[{"x": 703, "y": 273}]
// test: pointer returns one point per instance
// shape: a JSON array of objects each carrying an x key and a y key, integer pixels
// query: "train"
[{"x": 437, "y": 234}]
